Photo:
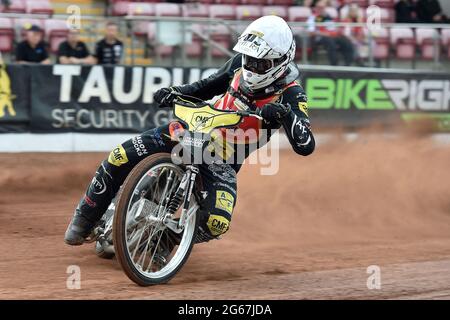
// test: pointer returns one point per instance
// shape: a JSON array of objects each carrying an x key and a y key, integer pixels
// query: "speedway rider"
[{"x": 262, "y": 75}]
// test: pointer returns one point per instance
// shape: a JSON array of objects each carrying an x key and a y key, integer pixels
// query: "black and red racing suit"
[{"x": 219, "y": 179}]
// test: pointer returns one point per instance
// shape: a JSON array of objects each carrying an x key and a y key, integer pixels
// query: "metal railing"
[{"x": 188, "y": 28}]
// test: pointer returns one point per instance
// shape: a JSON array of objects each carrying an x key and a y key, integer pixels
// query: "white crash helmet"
[{"x": 267, "y": 46}]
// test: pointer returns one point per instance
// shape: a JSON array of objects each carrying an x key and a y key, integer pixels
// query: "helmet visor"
[{"x": 259, "y": 66}]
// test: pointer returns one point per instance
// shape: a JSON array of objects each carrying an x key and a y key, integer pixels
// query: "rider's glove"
[
  {"x": 164, "y": 97},
  {"x": 275, "y": 112}
]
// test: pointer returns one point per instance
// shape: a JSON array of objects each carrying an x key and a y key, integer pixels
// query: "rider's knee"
[{"x": 218, "y": 224}]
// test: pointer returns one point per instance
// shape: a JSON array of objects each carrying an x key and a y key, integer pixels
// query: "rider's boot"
[{"x": 79, "y": 229}]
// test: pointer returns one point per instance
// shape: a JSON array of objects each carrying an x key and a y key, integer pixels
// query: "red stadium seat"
[
  {"x": 140, "y": 9},
  {"x": 162, "y": 50},
  {"x": 384, "y": 3},
  {"x": 39, "y": 7},
  {"x": 387, "y": 15},
  {"x": 16, "y": 6},
  {"x": 248, "y": 12},
  {"x": 299, "y": 13},
  {"x": 195, "y": 10},
  {"x": 381, "y": 43},
  {"x": 445, "y": 36},
  {"x": 6, "y": 35},
  {"x": 254, "y": 2},
  {"x": 280, "y": 2},
  {"x": 195, "y": 48},
  {"x": 227, "y": 1},
  {"x": 425, "y": 38},
  {"x": 140, "y": 28},
  {"x": 120, "y": 8},
  {"x": 403, "y": 40},
  {"x": 56, "y": 31},
  {"x": 168, "y": 9},
  {"x": 221, "y": 11},
  {"x": 361, "y": 3},
  {"x": 221, "y": 35},
  {"x": 332, "y": 12},
  {"x": 280, "y": 11}
]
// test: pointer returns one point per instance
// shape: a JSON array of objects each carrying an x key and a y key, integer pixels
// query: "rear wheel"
[{"x": 147, "y": 250}]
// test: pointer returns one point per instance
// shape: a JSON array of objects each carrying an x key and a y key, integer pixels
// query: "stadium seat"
[
  {"x": 403, "y": 40},
  {"x": 39, "y": 7},
  {"x": 248, "y": 12},
  {"x": 280, "y": 11},
  {"x": 195, "y": 48},
  {"x": 167, "y": 10},
  {"x": 445, "y": 36},
  {"x": 332, "y": 12},
  {"x": 220, "y": 34},
  {"x": 227, "y": 1},
  {"x": 56, "y": 31},
  {"x": 140, "y": 9},
  {"x": 425, "y": 39},
  {"x": 299, "y": 33},
  {"x": 299, "y": 13},
  {"x": 254, "y": 2},
  {"x": 162, "y": 50},
  {"x": 360, "y": 3},
  {"x": 195, "y": 10},
  {"x": 140, "y": 28},
  {"x": 16, "y": 6},
  {"x": 381, "y": 43},
  {"x": 384, "y": 3},
  {"x": 280, "y": 2},
  {"x": 6, "y": 35},
  {"x": 221, "y": 11},
  {"x": 387, "y": 15},
  {"x": 120, "y": 8}
]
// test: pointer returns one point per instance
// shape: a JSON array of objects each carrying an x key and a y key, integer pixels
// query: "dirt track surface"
[{"x": 309, "y": 232}]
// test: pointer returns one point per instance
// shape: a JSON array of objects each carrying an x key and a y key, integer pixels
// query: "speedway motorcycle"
[{"x": 151, "y": 225}]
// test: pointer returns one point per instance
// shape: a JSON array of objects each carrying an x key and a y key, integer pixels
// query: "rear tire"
[{"x": 120, "y": 229}]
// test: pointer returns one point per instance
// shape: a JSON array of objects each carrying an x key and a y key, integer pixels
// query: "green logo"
[{"x": 344, "y": 94}]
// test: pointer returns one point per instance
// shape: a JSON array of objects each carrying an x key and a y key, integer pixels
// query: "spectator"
[
  {"x": 430, "y": 11},
  {"x": 329, "y": 37},
  {"x": 405, "y": 11},
  {"x": 109, "y": 50},
  {"x": 33, "y": 49},
  {"x": 74, "y": 51},
  {"x": 352, "y": 13}
]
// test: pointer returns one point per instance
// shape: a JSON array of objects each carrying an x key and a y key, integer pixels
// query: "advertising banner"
[
  {"x": 359, "y": 99},
  {"x": 14, "y": 98},
  {"x": 102, "y": 98},
  {"x": 96, "y": 99}
]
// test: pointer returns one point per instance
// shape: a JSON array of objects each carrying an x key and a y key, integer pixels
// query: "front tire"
[{"x": 125, "y": 252}]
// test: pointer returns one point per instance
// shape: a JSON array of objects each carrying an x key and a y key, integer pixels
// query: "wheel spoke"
[
  {"x": 152, "y": 255},
  {"x": 154, "y": 251}
]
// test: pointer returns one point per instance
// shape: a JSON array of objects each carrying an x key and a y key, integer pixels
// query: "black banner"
[
  {"x": 14, "y": 98},
  {"x": 72, "y": 98},
  {"x": 355, "y": 99},
  {"x": 101, "y": 98}
]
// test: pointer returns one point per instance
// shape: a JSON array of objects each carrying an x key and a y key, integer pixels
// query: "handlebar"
[{"x": 243, "y": 113}]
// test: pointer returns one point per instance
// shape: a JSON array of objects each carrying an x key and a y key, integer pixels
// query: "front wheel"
[{"x": 148, "y": 251}]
